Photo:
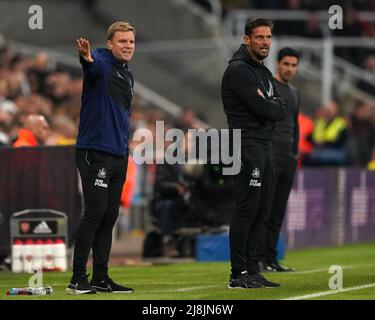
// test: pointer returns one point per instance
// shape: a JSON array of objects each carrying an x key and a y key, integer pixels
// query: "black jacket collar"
[{"x": 243, "y": 54}]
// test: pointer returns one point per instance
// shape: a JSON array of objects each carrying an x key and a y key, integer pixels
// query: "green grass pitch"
[{"x": 208, "y": 281}]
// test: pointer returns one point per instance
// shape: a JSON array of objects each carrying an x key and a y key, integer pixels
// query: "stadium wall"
[{"x": 327, "y": 206}]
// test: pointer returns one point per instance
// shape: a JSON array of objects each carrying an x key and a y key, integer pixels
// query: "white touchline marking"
[
  {"x": 330, "y": 292},
  {"x": 320, "y": 270},
  {"x": 184, "y": 289}
]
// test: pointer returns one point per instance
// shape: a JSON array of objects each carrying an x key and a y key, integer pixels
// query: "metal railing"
[
  {"x": 235, "y": 20},
  {"x": 70, "y": 60},
  {"x": 322, "y": 76}
]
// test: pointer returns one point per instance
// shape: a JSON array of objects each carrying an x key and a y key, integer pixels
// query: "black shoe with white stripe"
[
  {"x": 278, "y": 267},
  {"x": 80, "y": 286},
  {"x": 258, "y": 277},
  {"x": 108, "y": 285},
  {"x": 243, "y": 281}
]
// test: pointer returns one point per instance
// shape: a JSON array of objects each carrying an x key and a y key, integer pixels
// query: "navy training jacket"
[{"x": 106, "y": 98}]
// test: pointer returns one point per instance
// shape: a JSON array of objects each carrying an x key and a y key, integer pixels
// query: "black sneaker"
[
  {"x": 265, "y": 267},
  {"x": 108, "y": 285},
  {"x": 279, "y": 267},
  {"x": 260, "y": 279},
  {"x": 243, "y": 281},
  {"x": 81, "y": 286}
]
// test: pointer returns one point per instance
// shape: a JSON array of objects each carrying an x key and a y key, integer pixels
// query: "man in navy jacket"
[{"x": 102, "y": 153}]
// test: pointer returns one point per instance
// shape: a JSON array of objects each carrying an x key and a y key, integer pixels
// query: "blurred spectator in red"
[
  {"x": 306, "y": 127},
  {"x": 35, "y": 132},
  {"x": 129, "y": 185}
]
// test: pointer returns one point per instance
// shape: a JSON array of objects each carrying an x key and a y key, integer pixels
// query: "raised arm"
[
  {"x": 91, "y": 65},
  {"x": 83, "y": 47}
]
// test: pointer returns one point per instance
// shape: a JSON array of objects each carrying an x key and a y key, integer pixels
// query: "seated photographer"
[
  {"x": 215, "y": 191},
  {"x": 170, "y": 207}
]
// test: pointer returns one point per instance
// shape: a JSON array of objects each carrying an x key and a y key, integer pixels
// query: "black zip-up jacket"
[
  {"x": 106, "y": 97},
  {"x": 285, "y": 137},
  {"x": 244, "y": 107}
]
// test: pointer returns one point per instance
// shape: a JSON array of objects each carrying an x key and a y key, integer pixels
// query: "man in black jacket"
[
  {"x": 285, "y": 155},
  {"x": 251, "y": 104}
]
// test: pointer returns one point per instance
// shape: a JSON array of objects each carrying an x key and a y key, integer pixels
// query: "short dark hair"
[
  {"x": 288, "y": 52},
  {"x": 255, "y": 23},
  {"x": 121, "y": 26}
]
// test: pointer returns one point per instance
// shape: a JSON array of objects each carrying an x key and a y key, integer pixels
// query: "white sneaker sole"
[
  {"x": 103, "y": 290},
  {"x": 77, "y": 292},
  {"x": 229, "y": 287}
]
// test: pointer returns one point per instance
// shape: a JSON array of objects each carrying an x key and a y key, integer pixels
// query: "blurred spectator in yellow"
[
  {"x": 64, "y": 131},
  {"x": 329, "y": 137},
  {"x": 330, "y": 129},
  {"x": 371, "y": 164}
]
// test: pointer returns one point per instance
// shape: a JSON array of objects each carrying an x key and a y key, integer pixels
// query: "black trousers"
[
  {"x": 103, "y": 176},
  {"x": 251, "y": 192},
  {"x": 285, "y": 169}
]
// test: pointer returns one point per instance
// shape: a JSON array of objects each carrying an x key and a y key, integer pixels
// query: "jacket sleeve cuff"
[{"x": 85, "y": 64}]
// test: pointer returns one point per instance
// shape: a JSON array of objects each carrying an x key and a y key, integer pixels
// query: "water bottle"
[
  {"x": 29, "y": 291},
  {"x": 17, "y": 256},
  {"x": 59, "y": 251},
  {"x": 48, "y": 263},
  {"x": 28, "y": 258},
  {"x": 38, "y": 254}
]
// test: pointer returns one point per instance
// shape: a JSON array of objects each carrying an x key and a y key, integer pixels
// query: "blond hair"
[{"x": 121, "y": 26}]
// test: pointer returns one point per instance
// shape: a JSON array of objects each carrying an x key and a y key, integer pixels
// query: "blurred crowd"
[
  {"x": 30, "y": 86},
  {"x": 333, "y": 138},
  {"x": 40, "y": 105},
  {"x": 312, "y": 27}
]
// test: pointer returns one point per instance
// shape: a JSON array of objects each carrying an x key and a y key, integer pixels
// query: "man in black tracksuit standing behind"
[
  {"x": 102, "y": 153},
  {"x": 251, "y": 103},
  {"x": 285, "y": 155}
]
